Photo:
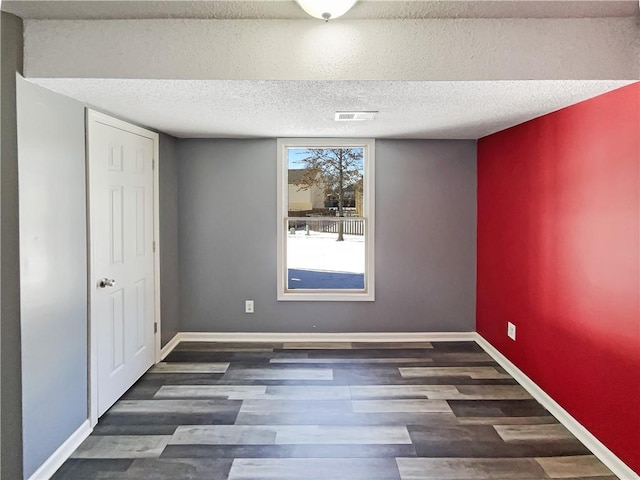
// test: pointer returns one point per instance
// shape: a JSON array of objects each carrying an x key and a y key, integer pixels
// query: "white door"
[{"x": 121, "y": 208}]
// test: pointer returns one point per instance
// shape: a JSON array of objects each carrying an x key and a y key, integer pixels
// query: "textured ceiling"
[
  {"x": 235, "y": 104},
  {"x": 228, "y": 108},
  {"x": 287, "y": 9}
]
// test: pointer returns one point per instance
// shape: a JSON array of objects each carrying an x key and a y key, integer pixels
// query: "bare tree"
[{"x": 335, "y": 168}]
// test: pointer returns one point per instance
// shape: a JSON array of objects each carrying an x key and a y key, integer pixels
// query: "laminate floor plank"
[
  {"x": 160, "y": 379},
  {"x": 497, "y": 408},
  {"x": 314, "y": 469},
  {"x": 574, "y": 466},
  {"x": 469, "y": 468},
  {"x": 143, "y": 390},
  {"x": 317, "y": 346},
  {"x": 367, "y": 353},
  {"x": 403, "y": 391},
  {"x": 317, "y": 408},
  {"x": 91, "y": 469},
  {"x": 392, "y": 345},
  {"x": 168, "y": 419},
  {"x": 227, "y": 392},
  {"x": 307, "y": 392},
  {"x": 354, "y": 361},
  {"x": 130, "y": 428},
  {"x": 217, "y": 356},
  {"x": 341, "y": 434},
  {"x": 289, "y": 435},
  {"x": 175, "y": 469},
  {"x": 528, "y": 433},
  {"x": 399, "y": 406},
  {"x": 339, "y": 418},
  {"x": 187, "y": 367},
  {"x": 176, "y": 406},
  {"x": 471, "y": 372},
  {"x": 536, "y": 420},
  {"x": 462, "y": 357},
  {"x": 329, "y": 411},
  {"x": 279, "y": 374},
  {"x": 122, "y": 446},
  {"x": 289, "y": 451},
  {"x": 227, "y": 346},
  {"x": 489, "y": 392}
]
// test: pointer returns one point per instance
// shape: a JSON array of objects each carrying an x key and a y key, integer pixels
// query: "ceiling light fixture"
[{"x": 326, "y": 9}]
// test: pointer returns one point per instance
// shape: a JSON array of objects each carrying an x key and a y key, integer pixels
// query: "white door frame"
[{"x": 97, "y": 117}]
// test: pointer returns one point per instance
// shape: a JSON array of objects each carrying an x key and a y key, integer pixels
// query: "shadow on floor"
[{"x": 313, "y": 279}]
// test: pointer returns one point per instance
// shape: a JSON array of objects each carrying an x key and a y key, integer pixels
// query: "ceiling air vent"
[{"x": 354, "y": 116}]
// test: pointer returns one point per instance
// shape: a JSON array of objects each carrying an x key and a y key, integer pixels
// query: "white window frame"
[{"x": 338, "y": 295}]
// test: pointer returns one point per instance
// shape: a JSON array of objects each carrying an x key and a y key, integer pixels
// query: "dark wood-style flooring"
[{"x": 332, "y": 411}]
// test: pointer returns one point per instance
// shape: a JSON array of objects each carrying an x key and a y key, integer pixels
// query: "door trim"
[{"x": 93, "y": 117}]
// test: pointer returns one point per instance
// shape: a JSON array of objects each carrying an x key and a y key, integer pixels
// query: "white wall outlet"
[
  {"x": 248, "y": 306},
  {"x": 511, "y": 330}
]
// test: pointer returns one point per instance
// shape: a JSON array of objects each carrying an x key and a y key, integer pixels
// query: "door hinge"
[
  {"x": 153, "y": 164},
  {"x": 154, "y": 245},
  {"x": 155, "y": 327}
]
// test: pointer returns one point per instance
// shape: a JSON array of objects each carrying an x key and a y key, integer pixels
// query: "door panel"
[
  {"x": 121, "y": 209},
  {"x": 141, "y": 317},
  {"x": 117, "y": 224},
  {"x": 116, "y": 336}
]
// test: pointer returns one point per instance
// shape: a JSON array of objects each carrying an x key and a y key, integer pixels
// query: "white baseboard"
[
  {"x": 316, "y": 337},
  {"x": 606, "y": 456},
  {"x": 55, "y": 461},
  {"x": 171, "y": 344},
  {"x": 326, "y": 337}
]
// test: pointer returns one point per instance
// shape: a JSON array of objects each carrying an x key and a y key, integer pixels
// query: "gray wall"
[
  {"x": 169, "y": 286},
  {"x": 425, "y": 241},
  {"x": 53, "y": 270},
  {"x": 10, "y": 368}
]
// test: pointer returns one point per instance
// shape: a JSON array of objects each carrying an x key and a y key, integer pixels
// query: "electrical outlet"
[
  {"x": 511, "y": 330},
  {"x": 248, "y": 306}
]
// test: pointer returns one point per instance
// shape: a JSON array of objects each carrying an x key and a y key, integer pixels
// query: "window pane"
[
  {"x": 325, "y": 254},
  {"x": 326, "y": 219},
  {"x": 325, "y": 182}
]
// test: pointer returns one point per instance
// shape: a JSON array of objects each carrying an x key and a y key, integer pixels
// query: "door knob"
[{"x": 106, "y": 282}]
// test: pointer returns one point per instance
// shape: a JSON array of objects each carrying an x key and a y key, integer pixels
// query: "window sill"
[{"x": 326, "y": 296}]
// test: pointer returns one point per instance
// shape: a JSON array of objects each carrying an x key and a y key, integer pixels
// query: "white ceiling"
[
  {"x": 229, "y": 108},
  {"x": 279, "y": 108},
  {"x": 287, "y": 9}
]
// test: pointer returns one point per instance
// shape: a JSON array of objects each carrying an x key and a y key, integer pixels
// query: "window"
[{"x": 325, "y": 219}]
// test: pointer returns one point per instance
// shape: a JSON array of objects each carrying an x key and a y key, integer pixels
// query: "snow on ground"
[{"x": 320, "y": 251}]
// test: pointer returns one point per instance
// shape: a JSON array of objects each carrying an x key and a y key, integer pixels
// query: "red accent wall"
[{"x": 559, "y": 256}]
